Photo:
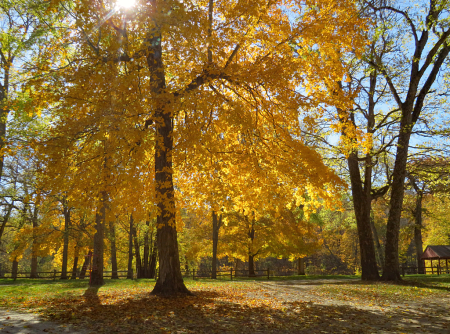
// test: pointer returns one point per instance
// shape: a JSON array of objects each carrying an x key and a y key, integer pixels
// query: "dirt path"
[
  {"x": 430, "y": 315},
  {"x": 28, "y": 323}
]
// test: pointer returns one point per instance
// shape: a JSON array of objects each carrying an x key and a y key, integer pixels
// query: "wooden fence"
[
  {"x": 228, "y": 273},
  {"x": 220, "y": 274},
  {"x": 57, "y": 274}
]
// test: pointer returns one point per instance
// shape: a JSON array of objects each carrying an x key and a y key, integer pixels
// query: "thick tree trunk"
[
  {"x": 34, "y": 248},
  {"x": 66, "y": 240},
  {"x": 112, "y": 236},
  {"x": 301, "y": 266},
  {"x": 217, "y": 221},
  {"x": 251, "y": 266},
  {"x": 362, "y": 206},
  {"x": 130, "y": 250},
  {"x": 391, "y": 270},
  {"x": 97, "y": 261},
  {"x": 137, "y": 251},
  {"x": 15, "y": 268},
  {"x": 86, "y": 264},
  {"x": 418, "y": 233},
  {"x": 169, "y": 280}
]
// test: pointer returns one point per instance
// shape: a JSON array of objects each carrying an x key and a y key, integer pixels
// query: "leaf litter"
[{"x": 254, "y": 307}]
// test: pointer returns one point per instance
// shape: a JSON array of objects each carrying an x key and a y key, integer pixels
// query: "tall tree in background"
[{"x": 412, "y": 65}]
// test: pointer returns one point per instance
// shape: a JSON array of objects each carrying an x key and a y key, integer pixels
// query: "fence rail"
[
  {"x": 57, "y": 274},
  {"x": 231, "y": 274}
]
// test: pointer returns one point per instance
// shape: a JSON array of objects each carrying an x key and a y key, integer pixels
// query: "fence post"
[
  {"x": 268, "y": 273},
  {"x": 231, "y": 274},
  {"x": 403, "y": 271},
  {"x": 54, "y": 274},
  {"x": 193, "y": 274},
  {"x": 439, "y": 267}
]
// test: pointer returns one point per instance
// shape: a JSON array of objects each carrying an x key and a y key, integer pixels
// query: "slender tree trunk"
[
  {"x": 362, "y": 206},
  {"x": 86, "y": 264},
  {"x": 130, "y": 250},
  {"x": 137, "y": 251},
  {"x": 75, "y": 262},
  {"x": 146, "y": 255},
  {"x": 391, "y": 270},
  {"x": 66, "y": 240},
  {"x": 153, "y": 259},
  {"x": 97, "y": 262},
  {"x": 34, "y": 248},
  {"x": 418, "y": 232},
  {"x": 379, "y": 251},
  {"x": 301, "y": 266},
  {"x": 112, "y": 235},
  {"x": 217, "y": 222},
  {"x": 3, "y": 113}
]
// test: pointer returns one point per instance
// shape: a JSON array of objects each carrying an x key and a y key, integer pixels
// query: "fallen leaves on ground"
[{"x": 242, "y": 307}]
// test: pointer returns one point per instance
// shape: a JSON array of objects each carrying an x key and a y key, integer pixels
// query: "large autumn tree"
[
  {"x": 416, "y": 39},
  {"x": 185, "y": 58}
]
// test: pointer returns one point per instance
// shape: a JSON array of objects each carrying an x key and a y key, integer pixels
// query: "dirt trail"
[
  {"x": 430, "y": 315},
  {"x": 12, "y": 322}
]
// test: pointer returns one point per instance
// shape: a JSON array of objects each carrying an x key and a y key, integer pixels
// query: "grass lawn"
[{"x": 278, "y": 305}]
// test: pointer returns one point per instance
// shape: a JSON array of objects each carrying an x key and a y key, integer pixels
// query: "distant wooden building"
[{"x": 437, "y": 253}]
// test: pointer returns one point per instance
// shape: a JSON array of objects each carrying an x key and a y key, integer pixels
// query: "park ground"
[{"x": 324, "y": 304}]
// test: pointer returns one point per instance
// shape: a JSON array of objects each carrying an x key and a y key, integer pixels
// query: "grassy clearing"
[{"x": 232, "y": 306}]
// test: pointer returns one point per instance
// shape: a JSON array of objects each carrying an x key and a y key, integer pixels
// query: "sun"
[{"x": 125, "y": 3}]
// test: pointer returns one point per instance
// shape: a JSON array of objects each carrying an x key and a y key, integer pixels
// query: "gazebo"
[{"x": 437, "y": 253}]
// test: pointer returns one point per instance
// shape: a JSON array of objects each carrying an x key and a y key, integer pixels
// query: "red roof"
[{"x": 436, "y": 252}]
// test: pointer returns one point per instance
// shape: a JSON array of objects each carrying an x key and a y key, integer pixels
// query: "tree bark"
[
  {"x": 362, "y": 206},
  {"x": 251, "y": 266},
  {"x": 75, "y": 263},
  {"x": 153, "y": 259},
  {"x": 170, "y": 280},
  {"x": 86, "y": 264},
  {"x": 130, "y": 250},
  {"x": 4, "y": 112},
  {"x": 15, "y": 268},
  {"x": 379, "y": 251},
  {"x": 301, "y": 266},
  {"x": 146, "y": 255},
  {"x": 217, "y": 222},
  {"x": 418, "y": 232},
  {"x": 137, "y": 251},
  {"x": 34, "y": 248},
  {"x": 391, "y": 270},
  {"x": 112, "y": 236},
  {"x": 66, "y": 212},
  {"x": 97, "y": 261},
  {"x": 251, "y": 256}
]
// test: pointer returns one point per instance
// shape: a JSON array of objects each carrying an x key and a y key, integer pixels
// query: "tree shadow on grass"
[{"x": 214, "y": 312}]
